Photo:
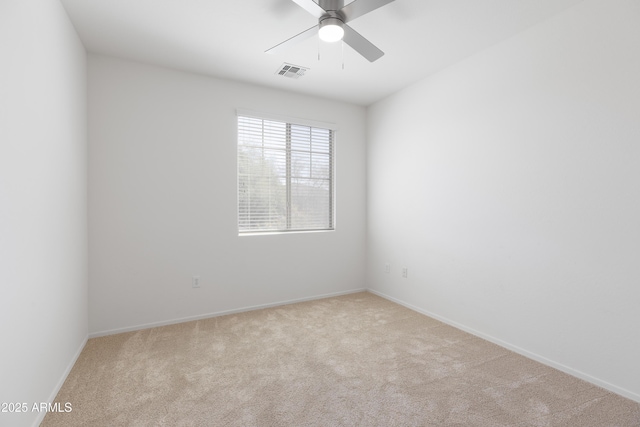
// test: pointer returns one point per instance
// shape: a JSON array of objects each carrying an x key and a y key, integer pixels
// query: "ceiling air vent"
[{"x": 291, "y": 71}]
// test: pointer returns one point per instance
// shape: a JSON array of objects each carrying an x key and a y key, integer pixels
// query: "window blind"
[{"x": 285, "y": 176}]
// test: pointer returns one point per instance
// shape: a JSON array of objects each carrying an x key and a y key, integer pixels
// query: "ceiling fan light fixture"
[{"x": 331, "y": 30}]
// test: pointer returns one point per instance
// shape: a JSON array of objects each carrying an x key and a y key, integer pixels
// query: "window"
[{"x": 285, "y": 176}]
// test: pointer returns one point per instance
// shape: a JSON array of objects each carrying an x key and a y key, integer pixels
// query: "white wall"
[
  {"x": 43, "y": 214},
  {"x": 162, "y": 200},
  {"x": 508, "y": 184}
]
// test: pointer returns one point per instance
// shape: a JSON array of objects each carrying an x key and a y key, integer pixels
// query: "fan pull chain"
[{"x": 343, "y": 55}]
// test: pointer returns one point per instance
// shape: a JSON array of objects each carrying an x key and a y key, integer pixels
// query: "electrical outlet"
[
  {"x": 387, "y": 268},
  {"x": 405, "y": 272},
  {"x": 195, "y": 281}
]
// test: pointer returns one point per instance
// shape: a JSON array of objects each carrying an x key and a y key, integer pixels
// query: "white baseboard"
[
  {"x": 219, "y": 313},
  {"x": 578, "y": 374},
  {"x": 61, "y": 381}
]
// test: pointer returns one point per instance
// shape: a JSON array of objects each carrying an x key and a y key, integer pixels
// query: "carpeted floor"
[{"x": 354, "y": 360}]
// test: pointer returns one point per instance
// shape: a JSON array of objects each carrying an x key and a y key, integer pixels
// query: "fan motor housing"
[{"x": 330, "y": 20}]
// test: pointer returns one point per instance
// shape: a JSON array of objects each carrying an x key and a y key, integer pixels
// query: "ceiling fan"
[{"x": 332, "y": 26}]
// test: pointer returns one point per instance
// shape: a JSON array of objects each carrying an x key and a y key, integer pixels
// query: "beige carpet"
[{"x": 355, "y": 360}]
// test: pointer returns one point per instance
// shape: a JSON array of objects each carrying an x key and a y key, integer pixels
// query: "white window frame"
[{"x": 288, "y": 121}]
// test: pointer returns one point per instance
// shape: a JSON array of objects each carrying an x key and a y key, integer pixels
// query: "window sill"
[{"x": 271, "y": 233}]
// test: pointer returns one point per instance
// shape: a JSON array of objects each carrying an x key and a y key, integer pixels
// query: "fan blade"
[
  {"x": 358, "y": 8},
  {"x": 294, "y": 40},
  {"x": 361, "y": 45},
  {"x": 311, "y": 7}
]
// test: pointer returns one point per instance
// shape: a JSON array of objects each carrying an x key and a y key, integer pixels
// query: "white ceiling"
[{"x": 227, "y": 39}]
